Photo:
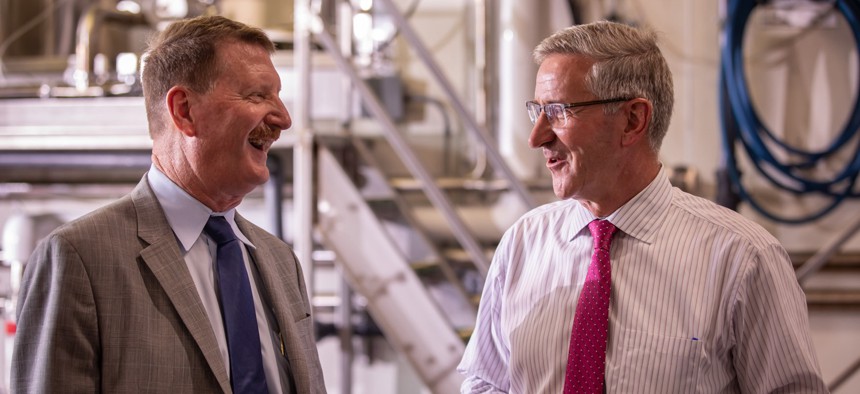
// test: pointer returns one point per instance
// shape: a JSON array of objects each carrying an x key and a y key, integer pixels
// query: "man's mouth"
[
  {"x": 552, "y": 157},
  {"x": 263, "y": 137},
  {"x": 259, "y": 143}
]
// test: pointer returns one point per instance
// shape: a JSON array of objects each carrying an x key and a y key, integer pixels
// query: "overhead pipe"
[{"x": 89, "y": 28}]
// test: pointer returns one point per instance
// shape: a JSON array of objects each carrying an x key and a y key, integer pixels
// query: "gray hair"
[{"x": 627, "y": 63}]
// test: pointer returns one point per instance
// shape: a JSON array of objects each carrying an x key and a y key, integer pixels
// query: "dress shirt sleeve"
[
  {"x": 485, "y": 361},
  {"x": 56, "y": 344},
  {"x": 773, "y": 350}
]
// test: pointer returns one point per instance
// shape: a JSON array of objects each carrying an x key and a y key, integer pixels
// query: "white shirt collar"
[
  {"x": 640, "y": 217},
  {"x": 184, "y": 213}
]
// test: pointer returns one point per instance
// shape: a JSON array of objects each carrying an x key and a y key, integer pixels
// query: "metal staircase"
[
  {"x": 407, "y": 308},
  {"x": 375, "y": 267}
]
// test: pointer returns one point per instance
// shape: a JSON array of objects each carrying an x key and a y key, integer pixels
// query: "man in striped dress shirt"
[{"x": 702, "y": 300}]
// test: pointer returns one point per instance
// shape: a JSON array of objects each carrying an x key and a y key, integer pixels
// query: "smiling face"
[
  {"x": 583, "y": 155},
  {"x": 230, "y": 128}
]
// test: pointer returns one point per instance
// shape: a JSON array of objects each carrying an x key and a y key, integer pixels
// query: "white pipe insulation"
[{"x": 522, "y": 26}]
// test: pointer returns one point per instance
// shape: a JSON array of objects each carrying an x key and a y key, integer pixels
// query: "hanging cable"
[{"x": 741, "y": 123}]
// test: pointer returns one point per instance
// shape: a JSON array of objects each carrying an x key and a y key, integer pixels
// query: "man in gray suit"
[{"x": 127, "y": 298}]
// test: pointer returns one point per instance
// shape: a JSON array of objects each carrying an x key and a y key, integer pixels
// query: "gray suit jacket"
[{"x": 107, "y": 305}]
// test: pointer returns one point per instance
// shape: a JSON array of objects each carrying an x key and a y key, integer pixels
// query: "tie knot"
[
  {"x": 219, "y": 230},
  {"x": 602, "y": 231}
]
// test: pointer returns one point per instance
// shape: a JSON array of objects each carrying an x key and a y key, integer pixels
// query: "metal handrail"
[
  {"x": 843, "y": 377},
  {"x": 405, "y": 152},
  {"x": 443, "y": 264},
  {"x": 471, "y": 124},
  {"x": 813, "y": 265},
  {"x": 820, "y": 258}
]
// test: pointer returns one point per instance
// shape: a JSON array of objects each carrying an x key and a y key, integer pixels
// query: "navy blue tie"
[{"x": 237, "y": 310}]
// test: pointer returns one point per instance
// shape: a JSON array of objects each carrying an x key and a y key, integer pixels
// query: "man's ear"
[
  {"x": 638, "y": 120},
  {"x": 179, "y": 108}
]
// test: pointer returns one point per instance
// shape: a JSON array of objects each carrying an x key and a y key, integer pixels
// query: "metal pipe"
[
  {"x": 820, "y": 257},
  {"x": 421, "y": 50},
  {"x": 401, "y": 147},
  {"x": 843, "y": 377},
  {"x": 29, "y": 159},
  {"x": 467, "y": 183},
  {"x": 347, "y": 352},
  {"x": 273, "y": 194},
  {"x": 303, "y": 159},
  {"x": 482, "y": 103},
  {"x": 89, "y": 26}
]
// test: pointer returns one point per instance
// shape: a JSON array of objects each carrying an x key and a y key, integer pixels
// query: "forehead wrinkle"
[{"x": 562, "y": 78}]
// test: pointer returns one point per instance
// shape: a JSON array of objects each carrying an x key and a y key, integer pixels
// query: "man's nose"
[
  {"x": 279, "y": 117},
  {"x": 541, "y": 132}
]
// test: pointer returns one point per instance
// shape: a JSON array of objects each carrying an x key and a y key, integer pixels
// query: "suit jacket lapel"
[
  {"x": 276, "y": 279},
  {"x": 163, "y": 258}
]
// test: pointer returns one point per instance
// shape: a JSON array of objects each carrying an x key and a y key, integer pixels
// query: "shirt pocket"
[{"x": 652, "y": 363}]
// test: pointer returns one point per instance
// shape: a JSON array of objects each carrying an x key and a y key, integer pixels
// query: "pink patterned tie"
[{"x": 586, "y": 361}]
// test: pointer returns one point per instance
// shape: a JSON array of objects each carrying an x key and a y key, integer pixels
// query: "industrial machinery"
[{"x": 406, "y": 160}]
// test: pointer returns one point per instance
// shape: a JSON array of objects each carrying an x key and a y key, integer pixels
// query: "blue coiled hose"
[{"x": 741, "y": 123}]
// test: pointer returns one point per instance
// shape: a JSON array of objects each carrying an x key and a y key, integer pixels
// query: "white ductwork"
[
  {"x": 521, "y": 26},
  {"x": 22, "y": 232}
]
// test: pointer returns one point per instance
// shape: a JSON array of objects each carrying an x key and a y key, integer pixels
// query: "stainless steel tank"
[
  {"x": 37, "y": 42},
  {"x": 39, "y": 28},
  {"x": 37, "y": 36}
]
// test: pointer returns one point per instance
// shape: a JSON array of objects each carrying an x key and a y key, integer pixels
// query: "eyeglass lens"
[{"x": 555, "y": 113}]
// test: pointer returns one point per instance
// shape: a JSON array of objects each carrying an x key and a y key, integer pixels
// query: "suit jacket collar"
[{"x": 163, "y": 257}]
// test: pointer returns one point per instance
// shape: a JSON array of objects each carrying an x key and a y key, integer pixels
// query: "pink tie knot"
[{"x": 602, "y": 231}]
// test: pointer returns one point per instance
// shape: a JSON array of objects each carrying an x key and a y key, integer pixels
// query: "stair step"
[
  {"x": 408, "y": 184},
  {"x": 833, "y": 298},
  {"x": 839, "y": 261}
]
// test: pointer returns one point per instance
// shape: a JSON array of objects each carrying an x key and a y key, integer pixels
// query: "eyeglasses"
[{"x": 556, "y": 113}]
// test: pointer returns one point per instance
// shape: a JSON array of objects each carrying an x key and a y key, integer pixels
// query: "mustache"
[{"x": 265, "y": 131}]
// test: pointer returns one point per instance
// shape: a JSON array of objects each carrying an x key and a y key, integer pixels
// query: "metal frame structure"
[{"x": 434, "y": 352}]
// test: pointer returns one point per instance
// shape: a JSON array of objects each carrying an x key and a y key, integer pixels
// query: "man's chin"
[
  {"x": 257, "y": 177},
  {"x": 263, "y": 178}
]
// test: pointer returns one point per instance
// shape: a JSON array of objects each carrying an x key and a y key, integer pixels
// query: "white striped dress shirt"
[{"x": 702, "y": 301}]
